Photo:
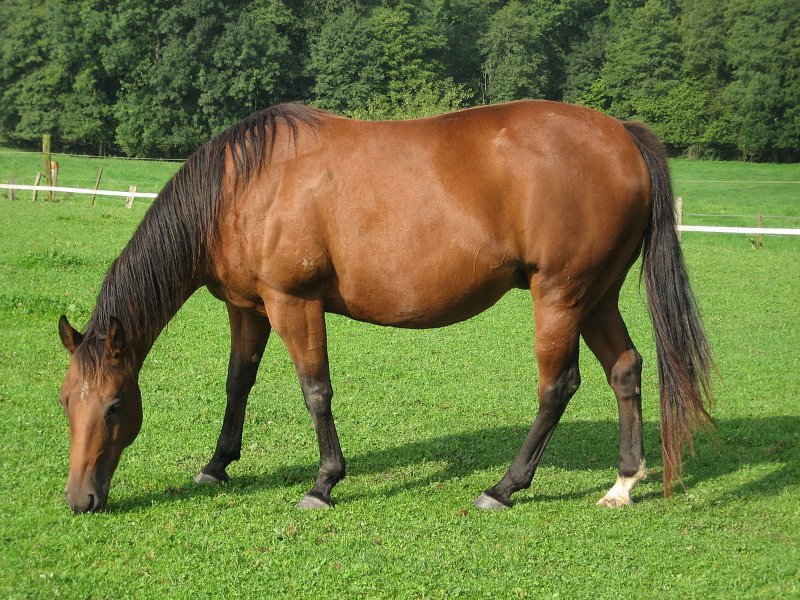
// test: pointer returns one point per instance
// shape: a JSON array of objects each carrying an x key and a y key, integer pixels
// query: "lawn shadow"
[{"x": 576, "y": 446}]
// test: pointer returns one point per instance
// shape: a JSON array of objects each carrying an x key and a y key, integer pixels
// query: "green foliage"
[
  {"x": 714, "y": 79},
  {"x": 463, "y": 23},
  {"x": 377, "y": 61},
  {"x": 86, "y": 119},
  {"x": 158, "y": 112},
  {"x": 29, "y": 80},
  {"x": 676, "y": 110},
  {"x": 583, "y": 83},
  {"x": 595, "y": 97},
  {"x": 249, "y": 72},
  {"x": 524, "y": 46},
  {"x": 704, "y": 33},
  {"x": 340, "y": 61},
  {"x": 764, "y": 54},
  {"x": 430, "y": 98},
  {"x": 512, "y": 65},
  {"x": 645, "y": 55}
]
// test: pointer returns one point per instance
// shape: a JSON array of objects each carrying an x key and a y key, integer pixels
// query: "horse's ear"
[
  {"x": 115, "y": 340},
  {"x": 69, "y": 335}
]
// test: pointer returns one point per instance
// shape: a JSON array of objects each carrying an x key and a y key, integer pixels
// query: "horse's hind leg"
[
  {"x": 249, "y": 335},
  {"x": 557, "y": 356},
  {"x": 606, "y": 335}
]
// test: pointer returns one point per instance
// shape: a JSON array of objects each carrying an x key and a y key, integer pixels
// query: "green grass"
[
  {"x": 734, "y": 188},
  {"x": 427, "y": 420},
  {"x": 80, "y": 172}
]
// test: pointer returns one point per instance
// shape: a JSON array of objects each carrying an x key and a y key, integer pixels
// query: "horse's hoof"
[
  {"x": 206, "y": 479},
  {"x": 486, "y": 502},
  {"x": 310, "y": 501},
  {"x": 614, "y": 501}
]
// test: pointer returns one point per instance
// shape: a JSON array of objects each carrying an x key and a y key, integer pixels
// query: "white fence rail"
[
  {"x": 130, "y": 194},
  {"x": 53, "y": 188},
  {"x": 747, "y": 230}
]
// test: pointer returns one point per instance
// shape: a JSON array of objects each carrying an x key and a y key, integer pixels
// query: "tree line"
[{"x": 713, "y": 78}]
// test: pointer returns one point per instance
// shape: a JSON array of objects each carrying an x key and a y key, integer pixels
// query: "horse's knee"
[
  {"x": 558, "y": 393},
  {"x": 318, "y": 399},
  {"x": 626, "y": 375}
]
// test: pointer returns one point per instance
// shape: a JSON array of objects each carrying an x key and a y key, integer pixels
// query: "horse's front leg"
[
  {"x": 301, "y": 325},
  {"x": 249, "y": 335}
]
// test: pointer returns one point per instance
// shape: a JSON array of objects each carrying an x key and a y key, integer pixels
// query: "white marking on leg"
[{"x": 620, "y": 492}]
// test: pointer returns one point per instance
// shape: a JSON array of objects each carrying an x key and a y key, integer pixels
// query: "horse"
[{"x": 294, "y": 212}]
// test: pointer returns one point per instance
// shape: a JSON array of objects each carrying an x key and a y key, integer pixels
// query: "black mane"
[{"x": 166, "y": 259}]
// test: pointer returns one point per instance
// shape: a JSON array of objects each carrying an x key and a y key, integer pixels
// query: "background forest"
[{"x": 716, "y": 79}]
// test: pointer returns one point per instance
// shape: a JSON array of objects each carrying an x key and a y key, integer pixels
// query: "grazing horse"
[{"x": 294, "y": 212}]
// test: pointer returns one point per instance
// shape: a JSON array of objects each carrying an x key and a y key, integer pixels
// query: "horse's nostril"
[{"x": 81, "y": 502}]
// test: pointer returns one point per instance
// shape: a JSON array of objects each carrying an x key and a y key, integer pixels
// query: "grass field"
[{"x": 427, "y": 420}]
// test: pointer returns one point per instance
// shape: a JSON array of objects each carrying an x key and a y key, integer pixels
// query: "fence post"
[
  {"x": 97, "y": 183},
  {"x": 35, "y": 185},
  {"x": 12, "y": 193},
  {"x": 129, "y": 201},
  {"x": 679, "y": 215},
  {"x": 48, "y": 176},
  {"x": 53, "y": 178}
]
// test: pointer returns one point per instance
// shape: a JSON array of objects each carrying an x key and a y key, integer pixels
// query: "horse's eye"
[{"x": 113, "y": 410}]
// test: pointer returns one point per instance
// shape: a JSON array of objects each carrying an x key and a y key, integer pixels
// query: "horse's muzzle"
[{"x": 82, "y": 502}]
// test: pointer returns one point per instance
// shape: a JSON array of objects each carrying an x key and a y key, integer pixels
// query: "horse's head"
[{"x": 101, "y": 399}]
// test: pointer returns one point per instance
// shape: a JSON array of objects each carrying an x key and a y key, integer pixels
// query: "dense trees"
[
  {"x": 380, "y": 62},
  {"x": 158, "y": 78}
]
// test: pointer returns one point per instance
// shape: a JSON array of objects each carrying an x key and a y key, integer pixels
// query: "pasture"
[{"x": 427, "y": 420}]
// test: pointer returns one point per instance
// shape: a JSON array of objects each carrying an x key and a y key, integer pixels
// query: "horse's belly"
[{"x": 432, "y": 300}]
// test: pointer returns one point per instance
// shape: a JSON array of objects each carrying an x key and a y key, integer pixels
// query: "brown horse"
[{"x": 294, "y": 212}]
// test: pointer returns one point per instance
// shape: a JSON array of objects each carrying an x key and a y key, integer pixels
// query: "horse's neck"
[
  {"x": 142, "y": 341},
  {"x": 167, "y": 258},
  {"x": 144, "y": 296}
]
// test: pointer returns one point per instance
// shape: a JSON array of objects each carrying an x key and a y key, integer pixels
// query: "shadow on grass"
[{"x": 577, "y": 445}]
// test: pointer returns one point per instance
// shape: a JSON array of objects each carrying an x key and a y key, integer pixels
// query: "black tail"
[{"x": 684, "y": 356}]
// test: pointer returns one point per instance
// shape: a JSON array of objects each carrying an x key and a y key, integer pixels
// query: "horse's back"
[{"x": 429, "y": 221}]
